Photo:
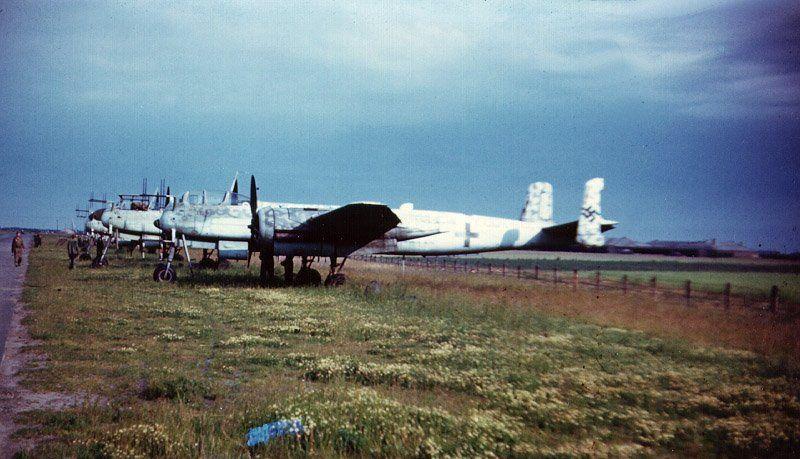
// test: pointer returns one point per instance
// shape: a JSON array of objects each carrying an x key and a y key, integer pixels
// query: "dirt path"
[
  {"x": 16, "y": 355},
  {"x": 11, "y": 280}
]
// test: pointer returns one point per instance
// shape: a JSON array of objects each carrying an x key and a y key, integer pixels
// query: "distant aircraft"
[
  {"x": 136, "y": 220},
  {"x": 308, "y": 231}
]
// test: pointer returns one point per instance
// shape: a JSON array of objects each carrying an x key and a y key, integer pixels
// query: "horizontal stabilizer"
[{"x": 569, "y": 231}]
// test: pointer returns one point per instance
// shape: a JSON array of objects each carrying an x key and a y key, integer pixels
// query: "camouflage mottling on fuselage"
[{"x": 135, "y": 222}]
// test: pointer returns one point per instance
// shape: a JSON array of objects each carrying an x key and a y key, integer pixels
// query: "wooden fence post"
[
  {"x": 455, "y": 269},
  {"x": 773, "y": 299},
  {"x": 536, "y": 272},
  {"x": 555, "y": 275},
  {"x": 688, "y": 292},
  {"x": 597, "y": 280},
  {"x": 519, "y": 272},
  {"x": 504, "y": 269},
  {"x": 653, "y": 286},
  {"x": 624, "y": 283},
  {"x": 574, "y": 279},
  {"x": 490, "y": 269},
  {"x": 726, "y": 295}
]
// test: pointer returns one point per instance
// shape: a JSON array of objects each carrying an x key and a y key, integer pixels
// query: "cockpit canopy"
[{"x": 214, "y": 198}]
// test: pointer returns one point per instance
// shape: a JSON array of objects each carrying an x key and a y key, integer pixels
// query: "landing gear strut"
[
  {"x": 288, "y": 270},
  {"x": 267, "y": 268}
]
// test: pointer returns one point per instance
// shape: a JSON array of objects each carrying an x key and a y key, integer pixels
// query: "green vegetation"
[{"x": 414, "y": 370}]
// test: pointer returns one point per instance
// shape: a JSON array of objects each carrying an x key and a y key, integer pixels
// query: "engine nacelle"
[
  {"x": 284, "y": 232},
  {"x": 266, "y": 227}
]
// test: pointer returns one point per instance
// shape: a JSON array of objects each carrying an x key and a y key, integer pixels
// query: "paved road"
[{"x": 11, "y": 280}]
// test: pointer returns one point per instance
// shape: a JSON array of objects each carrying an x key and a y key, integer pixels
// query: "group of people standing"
[
  {"x": 78, "y": 246},
  {"x": 75, "y": 248}
]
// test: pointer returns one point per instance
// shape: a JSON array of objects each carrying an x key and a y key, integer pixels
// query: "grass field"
[{"x": 429, "y": 366}]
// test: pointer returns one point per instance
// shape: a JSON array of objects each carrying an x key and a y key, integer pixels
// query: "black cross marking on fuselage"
[{"x": 468, "y": 235}]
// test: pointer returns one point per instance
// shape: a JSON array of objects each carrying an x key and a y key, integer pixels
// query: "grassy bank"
[{"x": 426, "y": 367}]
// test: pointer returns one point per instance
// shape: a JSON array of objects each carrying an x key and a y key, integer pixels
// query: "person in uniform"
[
  {"x": 100, "y": 246},
  {"x": 72, "y": 250},
  {"x": 17, "y": 247}
]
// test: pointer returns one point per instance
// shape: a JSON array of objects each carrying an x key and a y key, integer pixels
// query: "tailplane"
[{"x": 539, "y": 205}]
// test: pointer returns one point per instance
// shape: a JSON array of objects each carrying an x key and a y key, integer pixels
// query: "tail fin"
[
  {"x": 590, "y": 230},
  {"x": 539, "y": 205}
]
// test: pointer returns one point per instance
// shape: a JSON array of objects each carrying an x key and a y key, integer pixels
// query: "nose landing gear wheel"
[
  {"x": 335, "y": 280},
  {"x": 307, "y": 276},
  {"x": 164, "y": 274}
]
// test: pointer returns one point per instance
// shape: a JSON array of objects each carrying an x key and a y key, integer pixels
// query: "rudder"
[
  {"x": 539, "y": 205},
  {"x": 590, "y": 230}
]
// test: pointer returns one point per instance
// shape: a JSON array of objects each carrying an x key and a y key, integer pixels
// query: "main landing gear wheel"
[
  {"x": 206, "y": 263},
  {"x": 335, "y": 280},
  {"x": 308, "y": 276},
  {"x": 164, "y": 274}
]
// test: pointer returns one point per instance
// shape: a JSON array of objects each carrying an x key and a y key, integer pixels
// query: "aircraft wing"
[{"x": 353, "y": 224}]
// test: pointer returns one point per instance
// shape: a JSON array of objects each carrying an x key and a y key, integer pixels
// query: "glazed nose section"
[{"x": 105, "y": 218}]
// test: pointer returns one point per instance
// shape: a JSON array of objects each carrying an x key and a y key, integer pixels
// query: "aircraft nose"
[{"x": 166, "y": 222}]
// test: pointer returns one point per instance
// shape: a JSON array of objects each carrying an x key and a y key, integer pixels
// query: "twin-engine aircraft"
[
  {"x": 239, "y": 226},
  {"x": 136, "y": 219}
]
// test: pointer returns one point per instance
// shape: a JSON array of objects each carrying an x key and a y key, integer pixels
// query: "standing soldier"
[
  {"x": 100, "y": 248},
  {"x": 72, "y": 250},
  {"x": 17, "y": 247}
]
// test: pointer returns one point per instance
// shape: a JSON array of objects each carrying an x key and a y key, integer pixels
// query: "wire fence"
[{"x": 687, "y": 292}]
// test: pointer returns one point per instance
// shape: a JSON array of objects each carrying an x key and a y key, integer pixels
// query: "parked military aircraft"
[
  {"x": 308, "y": 231},
  {"x": 136, "y": 220},
  {"x": 191, "y": 211}
]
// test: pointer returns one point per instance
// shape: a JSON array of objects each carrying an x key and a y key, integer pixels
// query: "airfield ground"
[{"x": 430, "y": 365}]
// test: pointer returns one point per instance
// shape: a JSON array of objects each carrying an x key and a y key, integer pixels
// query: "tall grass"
[{"x": 428, "y": 366}]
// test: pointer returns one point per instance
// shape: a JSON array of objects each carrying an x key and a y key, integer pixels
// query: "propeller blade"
[{"x": 254, "y": 208}]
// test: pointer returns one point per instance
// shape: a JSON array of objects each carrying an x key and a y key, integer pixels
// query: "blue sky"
[{"x": 689, "y": 109}]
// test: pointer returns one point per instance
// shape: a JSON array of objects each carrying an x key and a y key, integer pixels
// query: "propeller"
[
  {"x": 235, "y": 191},
  {"x": 254, "y": 224}
]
